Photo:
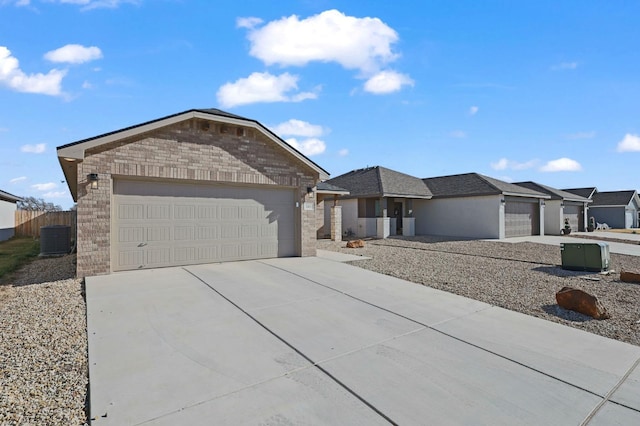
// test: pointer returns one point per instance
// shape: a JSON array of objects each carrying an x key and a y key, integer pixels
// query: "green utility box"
[{"x": 592, "y": 257}]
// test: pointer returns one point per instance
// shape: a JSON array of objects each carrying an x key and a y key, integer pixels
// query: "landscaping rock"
[
  {"x": 630, "y": 277},
  {"x": 355, "y": 244},
  {"x": 577, "y": 300}
]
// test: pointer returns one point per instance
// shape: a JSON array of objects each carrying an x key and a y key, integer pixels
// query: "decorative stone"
[
  {"x": 630, "y": 277},
  {"x": 577, "y": 300},
  {"x": 355, "y": 244}
]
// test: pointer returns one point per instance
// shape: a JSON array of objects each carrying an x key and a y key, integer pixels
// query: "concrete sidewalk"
[
  {"x": 556, "y": 240},
  {"x": 312, "y": 341}
]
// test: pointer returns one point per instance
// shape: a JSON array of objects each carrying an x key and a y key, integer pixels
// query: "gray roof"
[
  {"x": 9, "y": 197},
  {"x": 583, "y": 192},
  {"x": 613, "y": 198},
  {"x": 328, "y": 188},
  {"x": 556, "y": 194},
  {"x": 381, "y": 182},
  {"x": 474, "y": 184}
]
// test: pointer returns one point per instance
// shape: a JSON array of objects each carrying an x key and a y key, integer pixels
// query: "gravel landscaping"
[
  {"x": 522, "y": 277},
  {"x": 43, "y": 345}
]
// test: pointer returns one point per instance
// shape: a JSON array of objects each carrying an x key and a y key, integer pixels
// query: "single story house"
[
  {"x": 618, "y": 209},
  {"x": 380, "y": 202},
  {"x": 8, "y": 207},
  {"x": 562, "y": 205},
  {"x": 472, "y": 205},
  {"x": 198, "y": 186}
]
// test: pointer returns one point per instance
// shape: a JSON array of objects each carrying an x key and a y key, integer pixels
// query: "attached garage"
[
  {"x": 195, "y": 187},
  {"x": 521, "y": 218},
  {"x": 157, "y": 224}
]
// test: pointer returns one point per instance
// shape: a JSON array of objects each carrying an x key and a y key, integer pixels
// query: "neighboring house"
[
  {"x": 8, "y": 207},
  {"x": 329, "y": 217},
  {"x": 380, "y": 202},
  {"x": 472, "y": 205},
  {"x": 199, "y": 186},
  {"x": 583, "y": 192},
  {"x": 618, "y": 209},
  {"x": 562, "y": 205}
]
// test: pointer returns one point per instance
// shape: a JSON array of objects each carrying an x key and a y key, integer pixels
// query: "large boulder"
[
  {"x": 630, "y": 277},
  {"x": 577, "y": 300},
  {"x": 355, "y": 244}
]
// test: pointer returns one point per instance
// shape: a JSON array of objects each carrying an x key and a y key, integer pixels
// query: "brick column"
[{"x": 336, "y": 223}]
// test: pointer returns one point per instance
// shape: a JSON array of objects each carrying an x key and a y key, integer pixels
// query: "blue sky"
[{"x": 529, "y": 90}]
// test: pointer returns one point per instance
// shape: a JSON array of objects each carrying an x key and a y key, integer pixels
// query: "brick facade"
[{"x": 194, "y": 151}]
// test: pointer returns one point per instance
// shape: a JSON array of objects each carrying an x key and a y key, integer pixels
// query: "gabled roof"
[
  {"x": 475, "y": 184},
  {"x": 73, "y": 153},
  {"x": 556, "y": 194},
  {"x": 583, "y": 192},
  {"x": 381, "y": 182},
  {"x": 9, "y": 197},
  {"x": 613, "y": 198}
]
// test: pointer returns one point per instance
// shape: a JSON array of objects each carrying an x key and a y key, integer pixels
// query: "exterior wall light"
[{"x": 93, "y": 180}]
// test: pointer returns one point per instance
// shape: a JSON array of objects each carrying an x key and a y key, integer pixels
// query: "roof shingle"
[
  {"x": 381, "y": 182},
  {"x": 474, "y": 184}
]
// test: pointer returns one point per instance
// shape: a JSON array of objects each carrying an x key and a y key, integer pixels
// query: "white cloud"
[
  {"x": 74, "y": 54},
  {"x": 18, "y": 179},
  {"x": 295, "y": 127},
  {"x": 343, "y": 152},
  {"x": 55, "y": 194},
  {"x": 13, "y": 77},
  {"x": 248, "y": 22},
  {"x": 387, "y": 82},
  {"x": 473, "y": 110},
  {"x": 308, "y": 147},
  {"x": 261, "y": 87},
  {"x": 87, "y": 85},
  {"x": 331, "y": 36},
  {"x": 581, "y": 135},
  {"x": 629, "y": 143},
  {"x": 98, "y": 4},
  {"x": 506, "y": 164},
  {"x": 34, "y": 149},
  {"x": 565, "y": 66},
  {"x": 44, "y": 186},
  {"x": 561, "y": 165},
  {"x": 458, "y": 134}
]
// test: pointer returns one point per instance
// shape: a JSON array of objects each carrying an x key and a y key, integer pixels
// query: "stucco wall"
[
  {"x": 185, "y": 151},
  {"x": 553, "y": 217},
  {"x": 473, "y": 217},
  {"x": 7, "y": 219}
]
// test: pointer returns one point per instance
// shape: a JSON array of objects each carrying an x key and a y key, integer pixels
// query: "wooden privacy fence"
[{"x": 28, "y": 223}]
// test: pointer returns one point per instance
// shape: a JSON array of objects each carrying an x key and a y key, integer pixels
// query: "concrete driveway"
[{"x": 313, "y": 341}]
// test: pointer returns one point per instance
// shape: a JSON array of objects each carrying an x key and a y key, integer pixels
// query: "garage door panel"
[
  {"x": 128, "y": 234},
  {"x": 521, "y": 218},
  {"x": 573, "y": 213},
  {"x": 176, "y": 225}
]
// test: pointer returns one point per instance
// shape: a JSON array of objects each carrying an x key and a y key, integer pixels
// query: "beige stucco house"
[{"x": 199, "y": 186}]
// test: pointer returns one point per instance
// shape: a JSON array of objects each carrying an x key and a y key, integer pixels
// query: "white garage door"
[
  {"x": 157, "y": 224},
  {"x": 574, "y": 214},
  {"x": 521, "y": 218}
]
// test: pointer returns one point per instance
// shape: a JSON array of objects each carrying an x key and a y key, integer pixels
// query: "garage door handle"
[{"x": 142, "y": 244}]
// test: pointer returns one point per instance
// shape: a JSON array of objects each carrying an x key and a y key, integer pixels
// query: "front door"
[{"x": 397, "y": 213}]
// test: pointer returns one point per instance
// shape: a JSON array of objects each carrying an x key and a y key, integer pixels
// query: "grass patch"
[{"x": 17, "y": 252}]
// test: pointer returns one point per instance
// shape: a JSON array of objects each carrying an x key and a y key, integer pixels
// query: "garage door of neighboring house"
[
  {"x": 157, "y": 224},
  {"x": 521, "y": 218},
  {"x": 574, "y": 214}
]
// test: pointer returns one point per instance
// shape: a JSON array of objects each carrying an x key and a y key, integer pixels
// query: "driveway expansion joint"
[{"x": 298, "y": 351}]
